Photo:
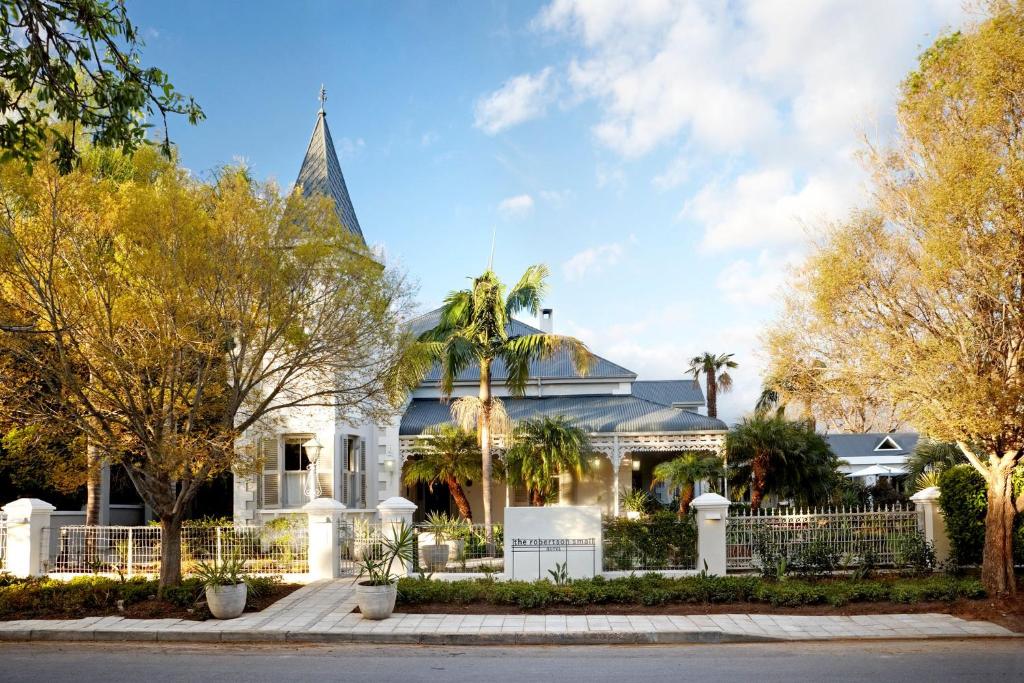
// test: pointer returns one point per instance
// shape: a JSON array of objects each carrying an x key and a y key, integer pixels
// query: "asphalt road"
[{"x": 928, "y": 661}]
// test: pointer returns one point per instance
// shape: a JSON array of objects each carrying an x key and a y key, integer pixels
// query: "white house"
[
  {"x": 868, "y": 457},
  {"x": 634, "y": 424}
]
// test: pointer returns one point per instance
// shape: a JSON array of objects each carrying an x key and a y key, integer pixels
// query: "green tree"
[
  {"x": 474, "y": 328},
  {"x": 449, "y": 456},
  {"x": 543, "y": 449},
  {"x": 77, "y": 61},
  {"x": 716, "y": 375},
  {"x": 683, "y": 473},
  {"x": 923, "y": 289},
  {"x": 771, "y": 454}
]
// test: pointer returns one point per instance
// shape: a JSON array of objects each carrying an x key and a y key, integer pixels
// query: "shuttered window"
[{"x": 271, "y": 481}]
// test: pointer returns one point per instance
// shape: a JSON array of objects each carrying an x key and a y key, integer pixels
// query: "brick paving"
[{"x": 322, "y": 612}]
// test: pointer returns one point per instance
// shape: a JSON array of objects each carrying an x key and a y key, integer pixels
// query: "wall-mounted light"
[{"x": 636, "y": 464}]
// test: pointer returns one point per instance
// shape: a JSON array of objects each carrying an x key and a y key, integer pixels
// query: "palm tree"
[
  {"x": 474, "y": 327},
  {"x": 450, "y": 456},
  {"x": 769, "y": 454},
  {"x": 683, "y": 473},
  {"x": 930, "y": 459},
  {"x": 543, "y": 449},
  {"x": 716, "y": 376}
]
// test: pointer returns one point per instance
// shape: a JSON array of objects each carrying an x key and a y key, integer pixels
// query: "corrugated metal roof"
[
  {"x": 321, "y": 174},
  {"x": 669, "y": 391},
  {"x": 860, "y": 445},
  {"x": 597, "y": 414},
  {"x": 558, "y": 366}
]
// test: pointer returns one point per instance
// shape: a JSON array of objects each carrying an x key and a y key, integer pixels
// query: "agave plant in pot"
[
  {"x": 435, "y": 555},
  {"x": 376, "y": 594},
  {"x": 226, "y": 585}
]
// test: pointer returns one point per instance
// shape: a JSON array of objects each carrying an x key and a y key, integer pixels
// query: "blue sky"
[{"x": 667, "y": 159}]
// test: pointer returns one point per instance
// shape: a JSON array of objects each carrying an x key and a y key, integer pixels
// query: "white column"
[
  {"x": 932, "y": 522},
  {"x": 616, "y": 464},
  {"x": 28, "y": 528},
  {"x": 324, "y": 552},
  {"x": 395, "y": 512},
  {"x": 712, "y": 517}
]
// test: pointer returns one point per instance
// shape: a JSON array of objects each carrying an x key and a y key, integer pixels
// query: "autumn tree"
[
  {"x": 924, "y": 289},
  {"x": 184, "y": 314}
]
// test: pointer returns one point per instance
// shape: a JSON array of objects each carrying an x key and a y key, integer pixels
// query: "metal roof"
[
  {"x": 595, "y": 414},
  {"x": 860, "y": 445},
  {"x": 321, "y": 174},
  {"x": 558, "y": 366},
  {"x": 669, "y": 391}
]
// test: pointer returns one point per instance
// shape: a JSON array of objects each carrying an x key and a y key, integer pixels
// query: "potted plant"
[
  {"x": 635, "y": 503},
  {"x": 435, "y": 555},
  {"x": 458, "y": 531},
  {"x": 376, "y": 594},
  {"x": 226, "y": 586}
]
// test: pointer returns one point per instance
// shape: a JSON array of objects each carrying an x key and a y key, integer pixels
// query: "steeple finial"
[{"x": 323, "y": 98}]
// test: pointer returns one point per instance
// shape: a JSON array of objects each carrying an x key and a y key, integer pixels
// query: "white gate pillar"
[
  {"x": 28, "y": 528},
  {"x": 394, "y": 512},
  {"x": 712, "y": 517},
  {"x": 324, "y": 551},
  {"x": 932, "y": 522}
]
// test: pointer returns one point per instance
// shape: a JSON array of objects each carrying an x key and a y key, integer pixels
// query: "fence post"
[
  {"x": 393, "y": 513},
  {"x": 219, "y": 552},
  {"x": 131, "y": 552},
  {"x": 28, "y": 522},
  {"x": 712, "y": 516},
  {"x": 932, "y": 522},
  {"x": 324, "y": 553}
]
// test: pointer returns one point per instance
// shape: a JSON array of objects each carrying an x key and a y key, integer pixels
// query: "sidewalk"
[{"x": 322, "y": 613}]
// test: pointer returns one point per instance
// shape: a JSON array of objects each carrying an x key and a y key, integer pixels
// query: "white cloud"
[
  {"x": 593, "y": 260},
  {"x": 349, "y": 148},
  {"x": 516, "y": 207},
  {"x": 770, "y": 96},
  {"x": 519, "y": 99},
  {"x": 610, "y": 176},
  {"x": 756, "y": 283}
]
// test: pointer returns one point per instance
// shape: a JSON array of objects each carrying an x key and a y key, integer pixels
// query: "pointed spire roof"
[{"x": 321, "y": 174}]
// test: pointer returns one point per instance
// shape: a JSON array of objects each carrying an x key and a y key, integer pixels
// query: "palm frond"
[
  {"x": 466, "y": 412},
  {"x": 528, "y": 292},
  {"x": 455, "y": 354},
  {"x": 519, "y": 352},
  {"x": 724, "y": 382}
]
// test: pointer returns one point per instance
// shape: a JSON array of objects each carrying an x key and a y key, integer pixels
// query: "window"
[
  {"x": 295, "y": 457},
  {"x": 887, "y": 444}
]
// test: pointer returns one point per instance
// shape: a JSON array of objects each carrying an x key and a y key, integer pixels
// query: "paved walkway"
[{"x": 322, "y": 612}]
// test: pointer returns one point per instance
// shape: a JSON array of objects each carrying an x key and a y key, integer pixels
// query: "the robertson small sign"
[{"x": 557, "y": 538}]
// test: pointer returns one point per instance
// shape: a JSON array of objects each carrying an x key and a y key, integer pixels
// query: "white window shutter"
[
  {"x": 344, "y": 470},
  {"x": 271, "y": 484}
]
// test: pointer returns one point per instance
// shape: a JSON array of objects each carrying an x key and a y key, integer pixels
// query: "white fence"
[
  {"x": 3, "y": 541},
  {"x": 467, "y": 550},
  {"x": 135, "y": 550},
  {"x": 857, "y": 536}
]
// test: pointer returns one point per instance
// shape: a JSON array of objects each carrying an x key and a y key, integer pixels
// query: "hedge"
[
  {"x": 654, "y": 589},
  {"x": 25, "y": 598},
  {"x": 964, "y": 503}
]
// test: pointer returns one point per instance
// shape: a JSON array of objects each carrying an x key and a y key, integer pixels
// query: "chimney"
[{"x": 547, "y": 320}]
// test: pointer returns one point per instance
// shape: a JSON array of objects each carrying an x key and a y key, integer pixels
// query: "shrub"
[
  {"x": 660, "y": 541},
  {"x": 963, "y": 503},
  {"x": 654, "y": 589},
  {"x": 913, "y": 554},
  {"x": 819, "y": 557}
]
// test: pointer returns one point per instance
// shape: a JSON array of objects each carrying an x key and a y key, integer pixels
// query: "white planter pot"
[
  {"x": 458, "y": 550},
  {"x": 376, "y": 602},
  {"x": 435, "y": 557},
  {"x": 634, "y": 514},
  {"x": 226, "y": 602}
]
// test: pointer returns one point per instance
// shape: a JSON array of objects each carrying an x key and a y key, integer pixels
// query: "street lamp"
[{"x": 312, "y": 449}]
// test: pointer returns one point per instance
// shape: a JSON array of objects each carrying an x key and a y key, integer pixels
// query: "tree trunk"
[
  {"x": 170, "y": 551},
  {"x": 759, "y": 476},
  {"x": 461, "y": 502},
  {"x": 93, "y": 484},
  {"x": 536, "y": 498},
  {"x": 997, "y": 560},
  {"x": 485, "y": 448},
  {"x": 685, "y": 498},
  {"x": 711, "y": 381}
]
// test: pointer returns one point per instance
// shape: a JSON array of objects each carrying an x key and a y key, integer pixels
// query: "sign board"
[{"x": 542, "y": 539}]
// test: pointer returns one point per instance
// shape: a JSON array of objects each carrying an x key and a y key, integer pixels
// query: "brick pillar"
[
  {"x": 324, "y": 551},
  {"x": 932, "y": 522},
  {"x": 28, "y": 528},
  {"x": 394, "y": 512},
  {"x": 712, "y": 516}
]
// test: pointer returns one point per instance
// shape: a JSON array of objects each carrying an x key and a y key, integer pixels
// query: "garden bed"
[
  {"x": 654, "y": 594},
  {"x": 95, "y": 596}
]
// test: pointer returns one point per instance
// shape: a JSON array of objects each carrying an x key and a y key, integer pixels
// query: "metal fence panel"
[
  {"x": 649, "y": 544},
  {"x": 467, "y": 551},
  {"x": 850, "y": 532}
]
